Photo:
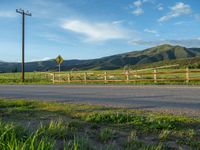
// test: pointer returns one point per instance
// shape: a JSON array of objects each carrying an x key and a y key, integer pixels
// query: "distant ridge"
[{"x": 158, "y": 55}]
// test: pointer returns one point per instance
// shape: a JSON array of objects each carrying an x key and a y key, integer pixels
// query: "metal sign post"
[
  {"x": 59, "y": 68},
  {"x": 59, "y": 61},
  {"x": 59, "y": 72}
]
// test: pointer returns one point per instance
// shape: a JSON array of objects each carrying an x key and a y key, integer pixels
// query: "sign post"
[{"x": 59, "y": 61}]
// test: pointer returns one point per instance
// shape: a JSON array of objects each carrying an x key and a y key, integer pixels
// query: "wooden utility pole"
[{"x": 23, "y": 13}]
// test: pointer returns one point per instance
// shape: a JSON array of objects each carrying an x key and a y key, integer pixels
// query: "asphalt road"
[{"x": 163, "y": 97}]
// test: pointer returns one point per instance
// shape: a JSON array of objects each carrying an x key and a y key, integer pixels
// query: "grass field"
[
  {"x": 49, "y": 125},
  {"x": 163, "y": 76},
  {"x": 30, "y": 77}
]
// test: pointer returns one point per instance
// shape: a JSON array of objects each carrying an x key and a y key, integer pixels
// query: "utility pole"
[{"x": 23, "y": 13}]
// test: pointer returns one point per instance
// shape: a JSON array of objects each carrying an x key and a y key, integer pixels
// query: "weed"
[
  {"x": 57, "y": 130},
  {"x": 132, "y": 136},
  {"x": 106, "y": 134},
  {"x": 75, "y": 125},
  {"x": 94, "y": 126},
  {"x": 191, "y": 133},
  {"x": 13, "y": 138},
  {"x": 142, "y": 146},
  {"x": 164, "y": 135},
  {"x": 111, "y": 146},
  {"x": 130, "y": 145},
  {"x": 114, "y": 118},
  {"x": 78, "y": 144}
]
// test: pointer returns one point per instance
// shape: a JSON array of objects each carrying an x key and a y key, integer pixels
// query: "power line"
[{"x": 23, "y": 13}]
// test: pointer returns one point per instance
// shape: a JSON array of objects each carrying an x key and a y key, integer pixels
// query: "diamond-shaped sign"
[{"x": 59, "y": 59}]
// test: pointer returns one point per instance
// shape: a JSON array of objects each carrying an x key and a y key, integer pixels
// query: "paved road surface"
[{"x": 174, "y": 98}]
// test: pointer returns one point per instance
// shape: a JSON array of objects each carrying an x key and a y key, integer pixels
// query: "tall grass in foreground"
[
  {"x": 16, "y": 138},
  {"x": 53, "y": 125},
  {"x": 44, "y": 138}
]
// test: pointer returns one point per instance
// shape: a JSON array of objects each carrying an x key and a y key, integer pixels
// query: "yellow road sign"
[{"x": 59, "y": 59}]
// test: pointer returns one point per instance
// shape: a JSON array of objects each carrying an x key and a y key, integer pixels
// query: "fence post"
[
  {"x": 187, "y": 75},
  {"x": 105, "y": 77},
  {"x": 85, "y": 77},
  {"x": 155, "y": 75},
  {"x": 135, "y": 76},
  {"x": 68, "y": 78},
  {"x": 127, "y": 77}
]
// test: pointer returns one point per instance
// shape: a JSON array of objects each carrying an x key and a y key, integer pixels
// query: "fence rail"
[{"x": 152, "y": 76}]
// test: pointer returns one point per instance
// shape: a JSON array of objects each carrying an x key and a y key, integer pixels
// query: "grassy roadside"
[
  {"x": 30, "y": 78},
  {"x": 49, "y": 125}
]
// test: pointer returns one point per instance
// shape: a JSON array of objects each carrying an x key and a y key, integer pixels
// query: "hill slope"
[{"x": 163, "y": 53}]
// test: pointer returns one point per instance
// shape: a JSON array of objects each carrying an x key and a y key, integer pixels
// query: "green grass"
[
  {"x": 105, "y": 134},
  {"x": 13, "y": 137},
  {"x": 30, "y": 77},
  {"x": 49, "y": 125}
]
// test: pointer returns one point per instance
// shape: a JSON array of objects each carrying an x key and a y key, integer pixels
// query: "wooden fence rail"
[{"x": 155, "y": 76}]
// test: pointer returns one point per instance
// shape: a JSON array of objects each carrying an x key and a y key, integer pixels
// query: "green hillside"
[
  {"x": 156, "y": 56},
  {"x": 193, "y": 63}
]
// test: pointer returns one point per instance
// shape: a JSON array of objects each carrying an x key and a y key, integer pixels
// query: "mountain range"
[{"x": 155, "y": 56}]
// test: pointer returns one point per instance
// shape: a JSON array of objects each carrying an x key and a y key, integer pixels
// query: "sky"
[{"x": 88, "y": 29}]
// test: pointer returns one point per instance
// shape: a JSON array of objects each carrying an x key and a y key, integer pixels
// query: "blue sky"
[{"x": 86, "y": 29}]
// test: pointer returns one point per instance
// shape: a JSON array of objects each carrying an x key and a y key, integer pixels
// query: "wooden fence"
[{"x": 152, "y": 76}]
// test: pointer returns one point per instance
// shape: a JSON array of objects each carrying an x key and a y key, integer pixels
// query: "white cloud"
[
  {"x": 96, "y": 31},
  {"x": 118, "y": 21},
  {"x": 151, "y": 31},
  {"x": 182, "y": 42},
  {"x": 197, "y": 17},
  {"x": 179, "y": 23},
  {"x": 160, "y": 7},
  {"x": 137, "y": 3},
  {"x": 138, "y": 6},
  {"x": 150, "y": 1},
  {"x": 138, "y": 11},
  {"x": 7, "y": 14},
  {"x": 179, "y": 9},
  {"x": 41, "y": 59},
  {"x": 46, "y": 58}
]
